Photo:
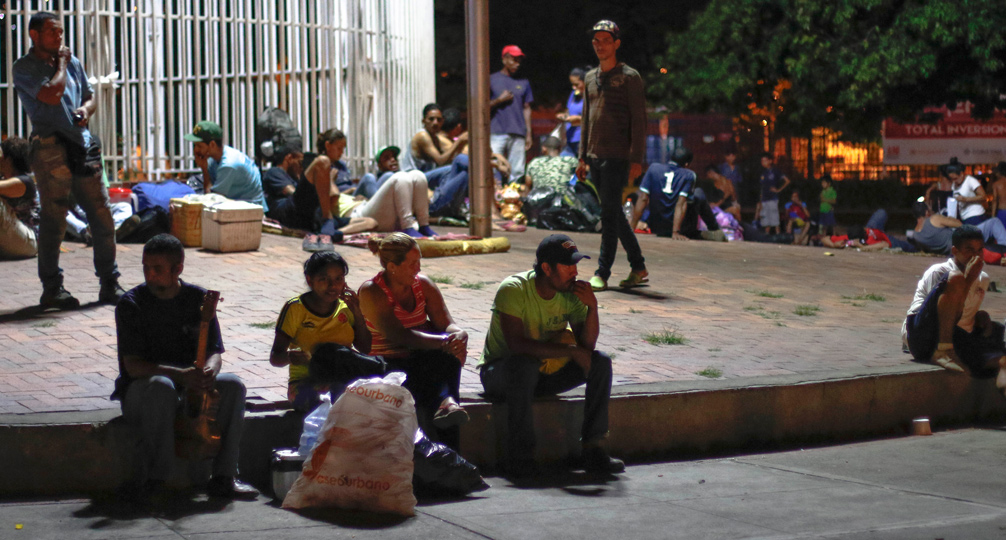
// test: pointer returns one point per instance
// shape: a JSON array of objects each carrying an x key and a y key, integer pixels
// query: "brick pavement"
[{"x": 708, "y": 293}]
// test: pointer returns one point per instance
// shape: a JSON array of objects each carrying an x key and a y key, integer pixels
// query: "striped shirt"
[{"x": 409, "y": 319}]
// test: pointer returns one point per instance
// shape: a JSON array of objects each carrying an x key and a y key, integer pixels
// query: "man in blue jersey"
[{"x": 674, "y": 202}]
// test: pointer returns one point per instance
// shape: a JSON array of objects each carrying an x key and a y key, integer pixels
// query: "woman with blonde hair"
[{"x": 411, "y": 325}]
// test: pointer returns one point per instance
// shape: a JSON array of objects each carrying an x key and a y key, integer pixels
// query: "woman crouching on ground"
[{"x": 412, "y": 327}]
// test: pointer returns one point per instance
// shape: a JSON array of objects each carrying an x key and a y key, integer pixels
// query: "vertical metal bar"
[{"x": 480, "y": 180}]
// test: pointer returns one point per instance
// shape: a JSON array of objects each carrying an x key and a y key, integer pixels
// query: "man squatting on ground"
[
  {"x": 944, "y": 324},
  {"x": 65, "y": 157},
  {"x": 157, "y": 326},
  {"x": 530, "y": 351},
  {"x": 615, "y": 107}
]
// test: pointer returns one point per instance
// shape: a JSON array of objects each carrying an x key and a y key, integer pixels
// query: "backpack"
[{"x": 273, "y": 130}]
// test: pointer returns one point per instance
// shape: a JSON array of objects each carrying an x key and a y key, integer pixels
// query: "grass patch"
[
  {"x": 710, "y": 372},
  {"x": 890, "y": 320},
  {"x": 263, "y": 325},
  {"x": 866, "y": 296},
  {"x": 445, "y": 280},
  {"x": 477, "y": 286},
  {"x": 612, "y": 355},
  {"x": 806, "y": 310},
  {"x": 623, "y": 349},
  {"x": 753, "y": 308},
  {"x": 857, "y": 304},
  {"x": 764, "y": 293},
  {"x": 714, "y": 349},
  {"x": 667, "y": 337},
  {"x": 777, "y": 323},
  {"x": 44, "y": 324},
  {"x": 633, "y": 310},
  {"x": 769, "y": 314}
]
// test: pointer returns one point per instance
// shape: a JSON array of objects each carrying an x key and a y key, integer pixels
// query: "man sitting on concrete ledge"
[
  {"x": 157, "y": 325},
  {"x": 944, "y": 324},
  {"x": 531, "y": 351}
]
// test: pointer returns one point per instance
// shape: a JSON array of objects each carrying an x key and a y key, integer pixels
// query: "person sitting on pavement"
[
  {"x": 944, "y": 324},
  {"x": 157, "y": 328},
  {"x": 675, "y": 204},
  {"x": 933, "y": 231},
  {"x": 322, "y": 326},
  {"x": 412, "y": 328},
  {"x": 968, "y": 196},
  {"x": 295, "y": 203},
  {"x": 722, "y": 183},
  {"x": 19, "y": 206},
  {"x": 226, "y": 170},
  {"x": 431, "y": 147},
  {"x": 797, "y": 215},
  {"x": 386, "y": 161},
  {"x": 550, "y": 169},
  {"x": 730, "y": 225},
  {"x": 542, "y": 339}
]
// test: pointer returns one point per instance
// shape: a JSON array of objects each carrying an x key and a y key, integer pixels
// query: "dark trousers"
[
  {"x": 697, "y": 208},
  {"x": 517, "y": 380},
  {"x": 431, "y": 376},
  {"x": 610, "y": 177}
]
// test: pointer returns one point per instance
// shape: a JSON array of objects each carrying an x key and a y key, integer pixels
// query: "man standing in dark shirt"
[
  {"x": 157, "y": 326},
  {"x": 613, "y": 146}
]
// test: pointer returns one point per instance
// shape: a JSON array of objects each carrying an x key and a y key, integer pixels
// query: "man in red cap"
[{"x": 510, "y": 110}]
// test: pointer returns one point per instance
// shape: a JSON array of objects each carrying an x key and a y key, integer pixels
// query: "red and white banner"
[{"x": 956, "y": 134}]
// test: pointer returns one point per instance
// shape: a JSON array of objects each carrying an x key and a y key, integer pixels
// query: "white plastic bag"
[
  {"x": 312, "y": 425},
  {"x": 363, "y": 458}
]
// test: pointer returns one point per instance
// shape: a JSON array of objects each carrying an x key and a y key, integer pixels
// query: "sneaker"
[
  {"x": 598, "y": 283},
  {"x": 110, "y": 292},
  {"x": 948, "y": 360},
  {"x": 58, "y": 298},
  {"x": 228, "y": 487},
  {"x": 634, "y": 279},
  {"x": 450, "y": 415},
  {"x": 310, "y": 243},
  {"x": 596, "y": 460},
  {"x": 427, "y": 231},
  {"x": 127, "y": 228},
  {"x": 325, "y": 243}
]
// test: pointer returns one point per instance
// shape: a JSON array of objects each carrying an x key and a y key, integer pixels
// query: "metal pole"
[{"x": 480, "y": 179}]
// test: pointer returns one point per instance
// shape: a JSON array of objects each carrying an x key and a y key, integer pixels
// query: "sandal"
[{"x": 635, "y": 279}]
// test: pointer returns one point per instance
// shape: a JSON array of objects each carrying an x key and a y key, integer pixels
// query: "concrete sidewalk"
[
  {"x": 744, "y": 310},
  {"x": 946, "y": 486}
]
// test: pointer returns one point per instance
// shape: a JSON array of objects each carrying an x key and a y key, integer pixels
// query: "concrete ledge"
[{"x": 63, "y": 453}]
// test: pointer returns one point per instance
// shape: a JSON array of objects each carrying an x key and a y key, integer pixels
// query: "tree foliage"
[{"x": 841, "y": 64}]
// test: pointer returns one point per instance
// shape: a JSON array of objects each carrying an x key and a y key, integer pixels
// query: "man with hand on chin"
[
  {"x": 226, "y": 170},
  {"x": 541, "y": 340}
]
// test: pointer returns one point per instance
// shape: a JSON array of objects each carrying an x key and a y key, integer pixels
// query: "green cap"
[
  {"x": 205, "y": 131},
  {"x": 395, "y": 149}
]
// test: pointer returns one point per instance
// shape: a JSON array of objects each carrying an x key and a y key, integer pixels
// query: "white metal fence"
[{"x": 363, "y": 66}]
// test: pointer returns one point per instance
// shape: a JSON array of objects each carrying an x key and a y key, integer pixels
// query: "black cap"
[{"x": 558, "y": 249}]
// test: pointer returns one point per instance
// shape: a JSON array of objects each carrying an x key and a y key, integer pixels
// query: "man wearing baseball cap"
[
  {"x": 386, "y": 161},
  {"x": 510, "y": 112},
  {"x": 541, "y": 340},
  {"x": 612, "y": 149},
  {"x": 226, "y": 170}
]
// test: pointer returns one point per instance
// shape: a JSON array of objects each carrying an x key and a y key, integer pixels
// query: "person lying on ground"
[
  {"x": 157, "y": 328},
  {"x": 675, "y": 204},
  {"x": 933, "y": 232},
  {"x": 542, "y": 340},
  {"x": 869, "y": 238},
  {"x": 722, "y": 183},
  {"x": 323, "y": 331},
  {"x": 430, "y": 147},
  {"x": 226, "y": 170},
  {"x": 944, "y": 324},
  {"x": 386, "y": 161},
  {"x": 413, "y": 330},
  {"x": 19, "y": 206}
]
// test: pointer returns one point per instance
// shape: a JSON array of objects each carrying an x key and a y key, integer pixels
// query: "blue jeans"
[
  {"x": 517, "y": 381},
  {"x": 609, "y": 176},
  {"x": 55, "y": 184},
  {"x": 879, "y": 221},
  {"x": 435, "y": 177},
  {"x": 369, "y": 184},
  {"x": 152, "y": 403},
  {"x": 452, "y": 184}
]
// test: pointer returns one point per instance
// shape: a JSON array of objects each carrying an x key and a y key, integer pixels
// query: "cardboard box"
[
  {"x": 186, "y": 221},
  {"x": 232, "y": 226}
]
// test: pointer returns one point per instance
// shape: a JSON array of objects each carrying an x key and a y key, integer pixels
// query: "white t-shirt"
[
  {"x": 968, "y": 189},
  {"x": 931, "y": 278}
]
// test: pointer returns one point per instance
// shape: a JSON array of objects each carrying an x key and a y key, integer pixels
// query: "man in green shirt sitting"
[{"x": 541, "y": 341}]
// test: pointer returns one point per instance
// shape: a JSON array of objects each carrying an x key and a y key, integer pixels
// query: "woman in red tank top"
[{"x": 412, "y": 328}]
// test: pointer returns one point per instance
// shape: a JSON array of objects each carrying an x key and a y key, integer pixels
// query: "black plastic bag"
[
  {"x": 153, "y": 221},
  {"x": 537, "y": 200},
  {"x": 572, "y": 209},
  {"x": 442, "y": 471}
]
